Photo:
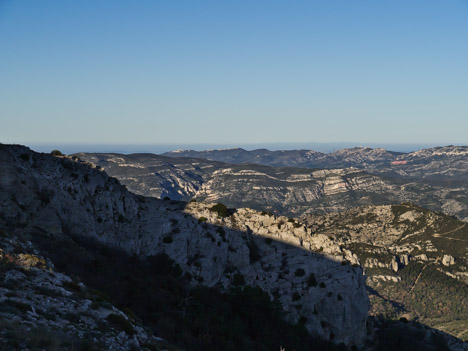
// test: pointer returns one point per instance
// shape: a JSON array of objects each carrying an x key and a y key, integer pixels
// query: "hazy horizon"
[{"x": 162, "y": 148}]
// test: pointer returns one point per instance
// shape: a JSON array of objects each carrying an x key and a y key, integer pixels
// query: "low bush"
[
  {"x": 299, "y": 272},
  {"x": 311, "y": 281},
  {"x": 119, "y": 322},
  {"x": 220, "y": 209}
]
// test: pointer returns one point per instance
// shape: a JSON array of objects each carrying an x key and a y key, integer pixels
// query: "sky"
[{"x": 233, "y": 72}]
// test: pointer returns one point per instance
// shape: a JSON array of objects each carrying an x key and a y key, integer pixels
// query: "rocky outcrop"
[
  {"x": 411, "y": 257},
  {"x": 448, "y": 260},
  {"x": 64, "y": 197},
  {"x": 44, "y": 308}
]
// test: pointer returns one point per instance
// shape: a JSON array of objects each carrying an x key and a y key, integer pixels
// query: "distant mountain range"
[
  {"x": 448, "y": 163},
  {"x": 433, "y": 178}
]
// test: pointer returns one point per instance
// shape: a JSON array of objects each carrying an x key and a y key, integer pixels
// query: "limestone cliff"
[{"x": 65, "y": 197}]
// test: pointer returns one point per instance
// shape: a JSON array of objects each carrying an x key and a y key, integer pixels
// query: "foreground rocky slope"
[
  {"x": 62, "y": 198},
  {"x": 416, "y": 261},
  {"x": 44, "y": 309},
  {"x": 289, "y": 191}
]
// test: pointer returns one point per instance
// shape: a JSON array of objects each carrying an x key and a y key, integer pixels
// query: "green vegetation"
[
  {"x": 429, "y": 295},
  {"x": 238, "y": 279},
  {"x": 25, "y": 156},
  {"x": 202, "y": 219},
  {"x": 397, "y": 335},
  {"x": 56, "y": 153},
  {"x": 299, "y": 272},
  {"x": 167, "y": 239},
  {"x": 72, "y": 286},
  {"x": 120, "y": 323},
  {"x": 14, "y": 336},
  {"x": 221, "y": 210},
  {"x": 311, "y": 281},
  {"x": 254, "y": 251}
]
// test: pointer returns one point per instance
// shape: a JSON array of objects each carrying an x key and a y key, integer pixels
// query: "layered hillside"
[
  {"x": 289, "y": 191},
  {"x": 344, "y": 158},
  {"x": 415, "y": 260},
  {"x": 49, "y": 200},
  {"x": 448, "y": 163}
]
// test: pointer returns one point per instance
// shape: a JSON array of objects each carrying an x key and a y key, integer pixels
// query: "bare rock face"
[
  {"x": 65, "y": 197},
  {"x": 448, "y": 260},
  {"x": 56, "y": 310},
  {"x": 409, "y": 254},
  {"x": 280, "y": 258}
]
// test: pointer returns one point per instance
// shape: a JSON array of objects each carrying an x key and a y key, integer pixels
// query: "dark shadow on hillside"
[
  {"x": 154, "y": 289},
  {"x": 399, "y": 308}
]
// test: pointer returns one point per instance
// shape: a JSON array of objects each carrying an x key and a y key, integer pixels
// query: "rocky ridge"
[
  {"x": 63, "y": 197},
  {"x": 415, "y": 260},
  {"x": 289, "y": 191},
  {"x": 439, "y": 163},
  {"x": 40, "y": 307}
]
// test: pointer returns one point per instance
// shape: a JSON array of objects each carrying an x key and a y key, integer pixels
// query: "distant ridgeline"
[{"x": 434, "y": 178}]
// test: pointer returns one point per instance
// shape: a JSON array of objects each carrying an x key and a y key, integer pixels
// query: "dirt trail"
[
  {"x": 417, "y": 278},
  {"x": 449, "y": 232}
]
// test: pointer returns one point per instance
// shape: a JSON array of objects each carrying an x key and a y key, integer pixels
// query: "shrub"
[
  {"x": 221, "y": 232},
  {"x": 56, "y": 153},
  {"x": 167, "y": 240},
  {"x": 311, "y": 281},
  {"x": 220, "y": 209},
  {"x": 202, "y": 219},
  {"x": 254, "y": 252},
  {"x": 299, "y": 272},
  {"x": 296, "y": 296},
  {"x": 322, "y": 285},
  {"x": 238, "y": 279},
  {"x": 23, "y": 307},
  {"x": 72, "y": 286},
  {"x": 25, "y": 156},
  {"x": 268, "y": 241},
  {"x": 120, "y": 323}
]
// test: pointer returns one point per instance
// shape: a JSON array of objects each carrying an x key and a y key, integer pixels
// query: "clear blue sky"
[{"x": 237, "y": 72}]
